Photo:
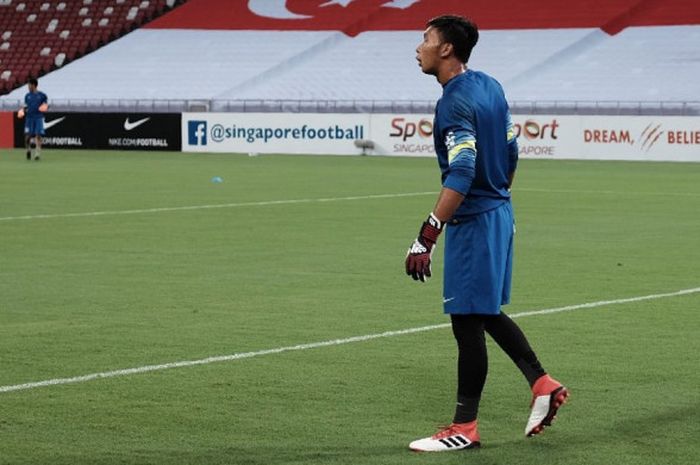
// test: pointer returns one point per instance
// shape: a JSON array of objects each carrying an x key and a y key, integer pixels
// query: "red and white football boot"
[
  {"x": 548, "y": 395},
  {"x": 457, "y": 436}
]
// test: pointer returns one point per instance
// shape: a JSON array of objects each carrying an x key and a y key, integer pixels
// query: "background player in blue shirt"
[
  {"x": 35, "y": 104},
  {"x": 477, "y": 154}
]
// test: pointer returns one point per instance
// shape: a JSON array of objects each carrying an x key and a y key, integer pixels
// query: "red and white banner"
[{"x": 356, "y": 16}]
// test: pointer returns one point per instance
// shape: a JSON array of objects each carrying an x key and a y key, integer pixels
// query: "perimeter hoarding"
[
  {"x": 312, "y": 133},
  {"x": 107, "y": 131},
  {"x": 638, "y": 138},
  {"x": 403, "y": 134},
  {"x": 654, "y": 138},
  {"x": 6, "y": 130}
]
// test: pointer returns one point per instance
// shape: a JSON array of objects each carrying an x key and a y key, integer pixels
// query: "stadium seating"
[
  {"x": 261, "y": 52},
  {"x": 37, "y": 36}
]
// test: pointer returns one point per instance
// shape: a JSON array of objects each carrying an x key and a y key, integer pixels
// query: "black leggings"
[{"x": 473, "y": 360}]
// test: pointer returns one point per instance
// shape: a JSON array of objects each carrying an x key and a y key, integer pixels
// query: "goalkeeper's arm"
[
  {"x": 454, "y": 190},
  {"x": 512, "y": 142},
  {"x": 447, "y": 204}
]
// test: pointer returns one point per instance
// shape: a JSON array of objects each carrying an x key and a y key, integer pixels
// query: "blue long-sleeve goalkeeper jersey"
[
  {"x": 32, "y": 101},
  {"x": 474, "y": 141}
]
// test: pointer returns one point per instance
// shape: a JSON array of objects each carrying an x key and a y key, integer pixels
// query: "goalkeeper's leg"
[
  {"x": 37, "y": 151},
  {"x": 511, "y": 339},
  {"x": 472, "y": 364},
  {"x": 27, "y": 142},
  {"x": 548, "y": 394},
  {"x": 471, "y": 375}
]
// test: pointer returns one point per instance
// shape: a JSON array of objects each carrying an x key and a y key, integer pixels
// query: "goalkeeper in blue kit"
[
  {"x": 477, "y": 154},
  {"x": 35, "y": 105}
]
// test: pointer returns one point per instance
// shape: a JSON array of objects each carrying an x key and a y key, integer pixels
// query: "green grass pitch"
[{"x": 89, "y": 294}]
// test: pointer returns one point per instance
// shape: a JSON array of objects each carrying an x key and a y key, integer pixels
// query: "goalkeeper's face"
[{"x": 428, "y": 52}]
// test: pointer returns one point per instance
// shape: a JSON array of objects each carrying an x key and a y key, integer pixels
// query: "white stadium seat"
[{"x": 534, "y": 65}]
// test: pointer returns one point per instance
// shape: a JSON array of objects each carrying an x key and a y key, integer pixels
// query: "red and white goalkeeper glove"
[{"x": 421, "y": 251}]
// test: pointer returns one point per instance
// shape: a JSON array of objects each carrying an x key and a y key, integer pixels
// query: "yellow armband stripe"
[{"x": 454, "y": 151}]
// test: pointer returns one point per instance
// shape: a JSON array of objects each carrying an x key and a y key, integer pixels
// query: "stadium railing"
[{"x": 645, "y": 108}]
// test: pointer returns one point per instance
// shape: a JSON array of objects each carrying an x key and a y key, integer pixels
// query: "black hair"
[
  {"x": 33, "y": 82},
  {"x": 459, "y": 31}
]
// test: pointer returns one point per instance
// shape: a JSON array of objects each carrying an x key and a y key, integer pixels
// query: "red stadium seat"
[{"x": 29, "y": 26}]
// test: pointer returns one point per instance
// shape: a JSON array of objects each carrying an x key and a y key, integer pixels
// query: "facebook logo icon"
[{"x": 197, "y": 132}]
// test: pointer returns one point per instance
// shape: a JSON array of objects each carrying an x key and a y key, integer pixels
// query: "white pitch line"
[
  {"x": 221, "y": 205},
  {"x": 302, "y": 201},
  {"x": 315, "y": 345}
]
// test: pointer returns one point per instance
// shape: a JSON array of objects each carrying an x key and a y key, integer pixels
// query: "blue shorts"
[
  {"x": 34, "y": 126},
  {"x": 479, "y": 262}
]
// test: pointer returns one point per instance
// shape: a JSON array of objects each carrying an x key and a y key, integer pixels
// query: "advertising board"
[
  {"x": 107, "y": 131},
  {"x": 312, "y": 133}
]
